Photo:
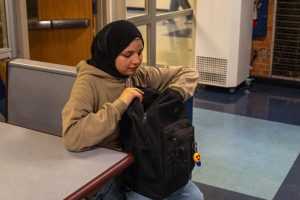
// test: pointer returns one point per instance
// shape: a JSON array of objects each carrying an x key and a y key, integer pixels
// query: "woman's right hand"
[{"x": 129, "y": 94}]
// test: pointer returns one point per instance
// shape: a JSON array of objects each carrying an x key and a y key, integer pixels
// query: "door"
[{"x": 61, "y": 31}]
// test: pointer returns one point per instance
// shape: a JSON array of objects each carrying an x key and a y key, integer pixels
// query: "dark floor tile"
[
  {"x": 215, "y": 193},
  {"x": 263, "y": 101},
  {"x": 239, "y": 196},
  {"x": 288, "y": 192},
  {"x": 294, "y": 176},
  {"x": 290, "y": 188}
]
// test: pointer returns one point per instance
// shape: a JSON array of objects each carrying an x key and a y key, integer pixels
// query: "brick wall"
[{"x": 262, "y": 67}]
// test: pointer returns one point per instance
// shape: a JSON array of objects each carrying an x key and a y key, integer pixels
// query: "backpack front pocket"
[{"x": 178, "y": 141}]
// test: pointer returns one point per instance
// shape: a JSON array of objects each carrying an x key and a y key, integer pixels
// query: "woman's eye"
[{"x": 127, "y": 55}]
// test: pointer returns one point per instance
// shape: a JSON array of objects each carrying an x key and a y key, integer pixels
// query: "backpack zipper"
[{"x": 144, "y": 118}]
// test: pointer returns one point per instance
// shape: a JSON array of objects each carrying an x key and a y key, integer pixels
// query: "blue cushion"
[
  {"x": 189, "y": 109},
  {"x": 2, "y": 89}
]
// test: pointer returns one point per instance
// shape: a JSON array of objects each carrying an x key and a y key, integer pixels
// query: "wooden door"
[{"x": 62, "y": 45}]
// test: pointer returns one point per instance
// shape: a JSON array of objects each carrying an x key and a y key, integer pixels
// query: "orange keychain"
[{"x": 196, "y": 156}]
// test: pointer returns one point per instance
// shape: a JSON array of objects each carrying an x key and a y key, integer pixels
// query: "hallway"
[{"x": 249, "y": 142}]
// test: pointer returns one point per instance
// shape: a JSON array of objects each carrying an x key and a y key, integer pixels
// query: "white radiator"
[{"x": 223, "y": 41}]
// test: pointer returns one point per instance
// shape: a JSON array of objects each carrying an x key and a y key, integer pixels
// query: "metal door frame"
[{"x": 10, "y": 50}]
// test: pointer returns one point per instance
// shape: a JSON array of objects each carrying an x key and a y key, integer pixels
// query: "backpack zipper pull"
[
  {"x": 144, "y": 118},
  {"x": 175, "y": 146},
  {"x": 183, "y": 154}
]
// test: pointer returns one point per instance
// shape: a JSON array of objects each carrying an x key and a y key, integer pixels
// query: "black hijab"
[{"x": 110, "y": 42}]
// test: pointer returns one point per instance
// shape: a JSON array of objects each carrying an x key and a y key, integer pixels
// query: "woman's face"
[{"x": 130, "y": 59}]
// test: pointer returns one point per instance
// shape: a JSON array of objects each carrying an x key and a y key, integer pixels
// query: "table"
[{"x": 35, "y": 165}]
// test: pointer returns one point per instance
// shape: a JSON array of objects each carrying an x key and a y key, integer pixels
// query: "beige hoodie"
[{"x": 91, "y": 115}]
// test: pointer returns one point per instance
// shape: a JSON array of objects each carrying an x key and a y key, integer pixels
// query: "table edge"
[{"x": 103, "y": 178}]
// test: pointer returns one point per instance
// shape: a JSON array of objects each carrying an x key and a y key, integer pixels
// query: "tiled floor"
[{"x": 247, "y": 145}]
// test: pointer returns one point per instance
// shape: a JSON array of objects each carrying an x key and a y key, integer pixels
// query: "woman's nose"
[{"x": 136, "y": 59}]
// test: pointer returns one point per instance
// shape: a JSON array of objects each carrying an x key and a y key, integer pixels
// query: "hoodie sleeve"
[
  {"x": 181, "y": 78},
  {"x": 83, "y": 124}
]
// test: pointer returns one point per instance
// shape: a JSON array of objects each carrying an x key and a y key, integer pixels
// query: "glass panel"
[
  {"x": 3, "y": 70},
  {"x": 3, "y": 27},
  {"x": 162, "y": 6},
  {"x": 143, "y": 30},
  {"x": 174, "y": 43},
  {"x": 174, "y": 5},
  {"x": 32, "y": 9},
  {"x": 135, "y": 8},
  {"x": 2, "y": 88}
]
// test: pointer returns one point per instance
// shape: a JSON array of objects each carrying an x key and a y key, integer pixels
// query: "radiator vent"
[
  {"x": 286, "y": 54},
  {"x": 211, "y": 70}
]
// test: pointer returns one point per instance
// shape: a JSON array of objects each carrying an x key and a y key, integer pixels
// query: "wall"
[{"x": 262, "y": 67}]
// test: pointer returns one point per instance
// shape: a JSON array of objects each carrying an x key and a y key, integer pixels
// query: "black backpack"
[{"x": 161, "y": 139}]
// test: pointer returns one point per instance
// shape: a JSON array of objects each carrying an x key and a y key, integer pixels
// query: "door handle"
[
  {"x": 34, "y": 24},
  {"x": 51, "y": 24},
  {"x": 70, "y": 23}
]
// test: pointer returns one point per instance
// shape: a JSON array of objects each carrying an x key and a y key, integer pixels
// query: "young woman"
[{"x": 106, "y": 85}]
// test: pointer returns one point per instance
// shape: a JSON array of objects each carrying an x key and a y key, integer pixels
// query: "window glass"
[
  {"x": 3, "y": 27},
  {"x": 2, "y": 88},
  {"x": 135, "y": 8},
  {"x": 170, "y": 33},
  {"x": 172, "y": 5},
  {"x": 31, "y": 9},
  {"x": 143, "y": 30},
  {"x": 174, "y": 43},
  {"x": 162, "y": 6}
]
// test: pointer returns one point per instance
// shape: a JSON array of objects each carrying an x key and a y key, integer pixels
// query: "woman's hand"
[{"x": 129, "y": 94}]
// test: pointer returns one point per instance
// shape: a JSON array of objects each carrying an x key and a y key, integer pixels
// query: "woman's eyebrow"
[
  {"x": 132, "y": 51},
  {"x": 129, "y": 51}
]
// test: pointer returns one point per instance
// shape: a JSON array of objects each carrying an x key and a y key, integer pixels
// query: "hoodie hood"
[{"x": 83, "y": 68}]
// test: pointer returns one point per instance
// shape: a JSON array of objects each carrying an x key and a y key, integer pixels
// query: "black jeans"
[{"x": 184, "y": 4}]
